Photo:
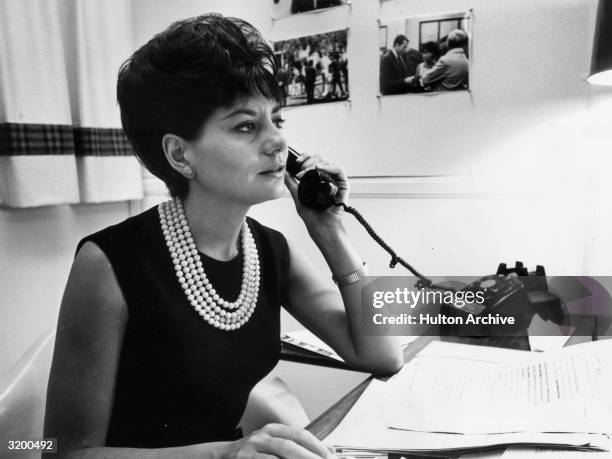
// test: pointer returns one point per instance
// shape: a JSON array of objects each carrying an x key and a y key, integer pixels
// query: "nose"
[{"x": 275, "y": 142}]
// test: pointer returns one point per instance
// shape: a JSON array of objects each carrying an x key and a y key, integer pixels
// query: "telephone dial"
[{"x": 509, "y": 291}]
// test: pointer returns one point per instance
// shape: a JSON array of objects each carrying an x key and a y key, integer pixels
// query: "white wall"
[
  {"x": 521, "y": 62},
  {"x": 152, "y": 16},
  {"x": 36, "y": 250}
]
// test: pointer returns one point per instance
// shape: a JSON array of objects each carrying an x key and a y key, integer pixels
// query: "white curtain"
[
  {"x": 97, "y": 39},
  {"x": 37, "y": 161},
  {"x": 63, "y": 64}
]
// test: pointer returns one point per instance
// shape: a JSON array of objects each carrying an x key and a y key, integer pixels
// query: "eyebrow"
[{"x": 248, "y": 111}]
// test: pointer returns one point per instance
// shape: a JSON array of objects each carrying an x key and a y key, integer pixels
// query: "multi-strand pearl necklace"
[{"x": 190, "y": 273}]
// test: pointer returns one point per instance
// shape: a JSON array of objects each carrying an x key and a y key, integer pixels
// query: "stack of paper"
[
  {"x": 543, "y": 453},
  {"x": 305, "y": 339},
  {"x": 459, "y": 398}
]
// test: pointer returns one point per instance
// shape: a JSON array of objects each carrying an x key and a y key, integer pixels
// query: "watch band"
[{"x": 350, "y": 278}]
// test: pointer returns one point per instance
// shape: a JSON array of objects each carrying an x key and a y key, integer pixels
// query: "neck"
[{"x": 215, "y": 223}]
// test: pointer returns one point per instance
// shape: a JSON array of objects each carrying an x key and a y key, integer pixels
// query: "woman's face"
[{"x": 241, "y": 153}]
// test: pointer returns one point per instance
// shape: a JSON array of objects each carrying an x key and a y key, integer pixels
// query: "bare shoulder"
[{"x": 92, "y": 291}]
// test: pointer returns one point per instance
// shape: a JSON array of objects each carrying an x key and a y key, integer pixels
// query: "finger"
[
  {"x": 333, "y": 169},
  {"x": 301, "y": 437},
  {"x": 287, "y": 449},
  {"x": 300, "y": 174},
  {"x": 308, "y": 164},
  {"x": 337, "y": 173},
  {"x": 311, "y": 162},
  {"x": 303, "y": 157}
]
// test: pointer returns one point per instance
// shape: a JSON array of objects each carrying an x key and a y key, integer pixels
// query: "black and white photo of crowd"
[
  {"x": 418, "y": 56},
  {"x": 313, "y": 69},
  {"x": 283, "y": 8}
]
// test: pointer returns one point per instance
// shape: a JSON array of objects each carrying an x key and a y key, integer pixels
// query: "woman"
[
  {"x": 171, "y": 317},
  {"x": 430, "y": 53}
]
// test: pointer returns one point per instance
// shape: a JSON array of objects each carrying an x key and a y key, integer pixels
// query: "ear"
[{"x": 174, "y": 148}]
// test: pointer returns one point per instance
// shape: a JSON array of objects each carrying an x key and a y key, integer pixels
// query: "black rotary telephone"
[
  {"x": 511, "y": 292},
  {"x": 318, "y": 190}
]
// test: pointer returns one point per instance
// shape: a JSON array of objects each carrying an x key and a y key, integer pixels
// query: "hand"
[
  {"x": 312, "y": 217},
  {"x": 278, "y": 441},
  {"x": 409, "y": 80}
]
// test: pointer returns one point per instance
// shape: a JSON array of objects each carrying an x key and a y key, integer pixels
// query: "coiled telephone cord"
[{"x": 424, "y": 282}]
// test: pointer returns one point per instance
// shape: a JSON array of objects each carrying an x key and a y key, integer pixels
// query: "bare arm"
[
  {"x": 80, "y": 394},
  {"x": 334, "y": 314},
  {"x": 87, "y": 348}
]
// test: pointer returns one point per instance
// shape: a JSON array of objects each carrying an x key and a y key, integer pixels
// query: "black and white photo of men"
[{"x": 425, "y": 55}]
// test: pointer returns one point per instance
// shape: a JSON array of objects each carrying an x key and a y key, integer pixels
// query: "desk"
[{"x": 326, "y": 423}]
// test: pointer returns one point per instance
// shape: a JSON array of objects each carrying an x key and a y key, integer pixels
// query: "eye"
[
  {"x": 279, "y": 122},
  {"x": 246, "y": 127}
]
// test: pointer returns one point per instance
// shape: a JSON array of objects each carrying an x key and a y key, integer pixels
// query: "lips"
[{"x": 275, "y": 170}]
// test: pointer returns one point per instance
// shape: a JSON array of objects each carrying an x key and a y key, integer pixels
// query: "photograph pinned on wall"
[
  {"x": 284, "y": 8},
  {"x": 425, "y": 54},
  {"x": 313, "y": 69}
]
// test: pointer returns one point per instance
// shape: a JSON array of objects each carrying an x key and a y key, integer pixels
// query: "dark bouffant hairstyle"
[{"x": 174, "y": 82}]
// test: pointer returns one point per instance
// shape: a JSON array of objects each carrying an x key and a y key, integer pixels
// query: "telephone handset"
[{"x": 317, "y": 189}]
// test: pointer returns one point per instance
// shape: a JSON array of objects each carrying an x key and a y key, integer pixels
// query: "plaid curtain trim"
[
  {"x": 35, "y": 139},
  {"x": 18, "y": 139},
  {"x": 101, "y": 142}
]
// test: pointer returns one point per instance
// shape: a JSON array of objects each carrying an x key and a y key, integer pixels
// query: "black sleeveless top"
[{"x": 181, "y": 381}]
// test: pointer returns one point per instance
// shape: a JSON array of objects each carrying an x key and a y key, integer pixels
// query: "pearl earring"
[{"x": 188, "y": 172}]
